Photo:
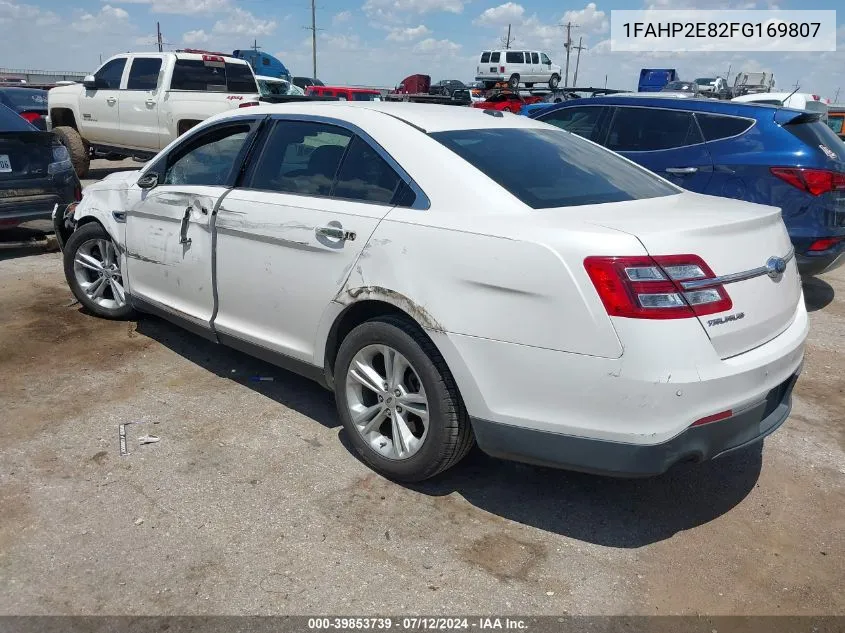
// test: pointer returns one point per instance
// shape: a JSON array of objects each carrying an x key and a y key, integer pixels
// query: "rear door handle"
[
  {"x": 681, "y": 170},
  {"x": 150, "y": 102},
  {"x": 336, "y": 233},
  {"x": 111, "y": 100}
]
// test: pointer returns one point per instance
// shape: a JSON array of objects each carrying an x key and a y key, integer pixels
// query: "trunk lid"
[
  {"x": 25, "y": 155},
  {"x": 731, "y": 237}
]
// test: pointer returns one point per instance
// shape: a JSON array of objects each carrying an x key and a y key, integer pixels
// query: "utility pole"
[
  {"x": 579, "y": 48},
  {"x": 314, "y": 36},
  {"x": 508, "y": 42},
  {"x": 728, "y": 76},
  {"x": 568, "y": 45},
  {"x": 836, "y": 96},
  {"x": 158, "y": 37}
]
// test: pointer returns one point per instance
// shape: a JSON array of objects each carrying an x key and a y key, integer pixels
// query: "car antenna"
[{"x": 797, "y": 88}]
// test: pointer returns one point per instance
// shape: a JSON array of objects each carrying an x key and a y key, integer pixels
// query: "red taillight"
[
  {"x": 248, "y": 104},
  {"x": 813, "y": 181},
  {"x": 723, "y": 415},
  {"x": 650, "y": 287},
  {"x": 825, "y": 243},
  {"x": 32, "y": 117}
]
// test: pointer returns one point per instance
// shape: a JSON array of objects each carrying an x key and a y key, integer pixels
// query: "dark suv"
[{"x": 760, "y": 153}]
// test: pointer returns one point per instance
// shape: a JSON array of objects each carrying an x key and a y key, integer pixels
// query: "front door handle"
[
  {"x": 681, "y": 170},
  {"x": 183, "y": 228},
  {"x": 336, "y": 233},
  {"x": 111, "y": 100}
]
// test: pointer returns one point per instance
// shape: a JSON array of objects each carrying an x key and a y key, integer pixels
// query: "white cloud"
[
  {"x": 198, "y": 36},
  {"x": 502, "y": 15},
  {"x": 109, "y": 18},
  {"x": 408, "y": 34},
  {"x": 184, "y": 7},
  {"x": 393, "y": 10},
  {"x": 589, "y": 19},
  {"x": 436, "y": 48},
  {"x": 241, "y": 22},
  {"x": 340, "y": 18},
  {"x": 337, "y": 42},
  {"x": 11, "y": 12}
]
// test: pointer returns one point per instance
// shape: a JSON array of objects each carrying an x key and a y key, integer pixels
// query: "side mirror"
[
  {"x": 90, "y": 82},
  {"x": 148, "y": 181}
]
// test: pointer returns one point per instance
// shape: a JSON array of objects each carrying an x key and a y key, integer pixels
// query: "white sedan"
[{"x": 459, "y": 276}]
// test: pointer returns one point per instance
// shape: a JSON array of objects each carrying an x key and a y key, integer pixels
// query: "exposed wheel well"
[
  {"x": 351, "y": 318},
  {"x": 62, "y": 116}
]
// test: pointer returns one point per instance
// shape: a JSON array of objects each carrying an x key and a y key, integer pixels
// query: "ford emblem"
[{"x": 776, "y": 266}]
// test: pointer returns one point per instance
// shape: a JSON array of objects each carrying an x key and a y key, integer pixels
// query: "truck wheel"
[
  {"x": 553, "y": 82},
  {"x": 79, "y": 152},
  {"x": 513, "y": 82}
]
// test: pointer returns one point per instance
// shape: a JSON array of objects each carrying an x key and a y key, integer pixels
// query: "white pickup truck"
[{"x": 137, "y": 103}]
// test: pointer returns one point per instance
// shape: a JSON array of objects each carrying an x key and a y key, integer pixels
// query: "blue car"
[{"x": 759, "y": 153}]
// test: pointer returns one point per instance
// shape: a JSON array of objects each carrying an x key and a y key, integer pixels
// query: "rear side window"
[
  {"x": 512, "y": 57},
  {"x": 11, "y": 121},
  {"x": 547, "y": 168},
  {"x": 485, "y": 57},
  {"x": 535, "y": 58},
  {"x": 715, "y": 127},
  {"x": 209, "y": 76},
  {"x": 495, "y": 57},
  {"x": 365, "y": 175},
  {"x": 581, "y": 121},
  {"x": 300, "y": 158},
  {"x": 143, "y": 74},
  {"x": 648, "y": 130},
  {"x": 108, "y": 77},
  {"x": 818, "y": 136}
]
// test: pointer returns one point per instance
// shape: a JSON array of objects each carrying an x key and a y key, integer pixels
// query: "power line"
[
  {"x": 579, "y": 48},
  {"x": 313, "y": 28}
]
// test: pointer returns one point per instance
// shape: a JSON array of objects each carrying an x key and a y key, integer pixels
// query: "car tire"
[
  {"x": 513, "y": 82},
  {"x": 96, "y": 290},
  {"x": 553, "y": 82},
  {"x": 441, "y": 444},
  {"x": 80, "y": 154}
]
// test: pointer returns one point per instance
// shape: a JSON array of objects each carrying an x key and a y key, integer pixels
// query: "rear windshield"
[
  {"x": 485, "y": 57},
  {"x": 552, "y": 168},
  {"x": 818, "y": 136},
  {"x": 11, "y": 121},
  {"x": 26, "y": 98},
  {"x": 196, "y": 74}
]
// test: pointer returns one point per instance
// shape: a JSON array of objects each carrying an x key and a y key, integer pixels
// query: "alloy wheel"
[{"x": 97, "y": 270}]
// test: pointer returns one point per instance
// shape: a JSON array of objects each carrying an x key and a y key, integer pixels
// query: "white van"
[
  {"x": 517, "y": 67},
  {"x": 798, "y": 101}
]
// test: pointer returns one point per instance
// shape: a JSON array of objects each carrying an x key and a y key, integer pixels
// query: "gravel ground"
[{"x": 253, "y": 503}]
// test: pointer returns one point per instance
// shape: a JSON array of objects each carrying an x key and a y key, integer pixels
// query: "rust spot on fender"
[{"x": 418, "y": 312}]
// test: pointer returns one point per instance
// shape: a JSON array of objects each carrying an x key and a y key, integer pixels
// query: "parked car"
[
  {"x": 759, "y": 153},
  {"x": 796, "y": 100},
  {"x": 344, "y": 93},
  {"x": 304, "y": 82},
  {"x": 517, "y": 68},
  {"x": 653, "y": 79},
  {"x": 446, "y": 87},
  {"x": 506, "y": 100},
  {"x": 30, "y": 103},
  {"x": 681, "y": 86},
  {"x": 36, "y": 174},
  {"x": 137, "y": 103},
  {"x": 453, "y": 276},
  {"x": 713, "y": 87},
  {"x": 835, "y": 119}
]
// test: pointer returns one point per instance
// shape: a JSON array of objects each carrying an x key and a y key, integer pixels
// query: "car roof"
[
  {"x": 423, "y": 116},
  {"x": 703, "y": 105}
]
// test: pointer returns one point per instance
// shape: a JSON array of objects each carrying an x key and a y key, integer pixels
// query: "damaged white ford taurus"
[{"x": 459, "y": 276}]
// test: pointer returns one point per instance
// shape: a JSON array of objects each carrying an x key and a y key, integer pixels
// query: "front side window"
[
  {"x": 648, "y": 130},
  {"x": 547, "y": 168},
  {"x": 143, "y": 74},
  {"x": 209, "y": 159},
  {"x": 545, "y": 58},
  {"x": 366, "y": 176},
  {"x": 495, "y": 57},
  {"x": 108, "y": 77},
  {"x": 581, "y": 121},
  {"x": 300, "y": 157}
]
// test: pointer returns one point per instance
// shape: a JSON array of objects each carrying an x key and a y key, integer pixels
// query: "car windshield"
[
  {"x": 11, "y": 121},
  {"x": 547, "y": 168},
  {"x": 835, "y": 124}
]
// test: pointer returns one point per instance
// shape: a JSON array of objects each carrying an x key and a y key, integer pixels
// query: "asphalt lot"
[{"x": 252, "y": 502}]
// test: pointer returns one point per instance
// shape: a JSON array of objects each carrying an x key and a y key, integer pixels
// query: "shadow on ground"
[
  {"x": 25, "y": 242},
  {"x": 817, "y": 293},
  {"x": 622, "y": 513}
]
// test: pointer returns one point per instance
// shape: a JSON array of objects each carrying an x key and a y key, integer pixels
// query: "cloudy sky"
[{"x": 378, "y": 42}]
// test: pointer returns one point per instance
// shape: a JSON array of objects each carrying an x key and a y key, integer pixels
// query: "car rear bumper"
[
  {"x": 621, "y": 459},
  {"x": 23, "y": 201},
  {"x": 824, "y": 262}
]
